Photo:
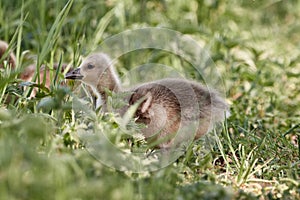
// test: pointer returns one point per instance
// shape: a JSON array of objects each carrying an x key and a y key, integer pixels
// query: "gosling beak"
[{"x": 74, "y": 74}]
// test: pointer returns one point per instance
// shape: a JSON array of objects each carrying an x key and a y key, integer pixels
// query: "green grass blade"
[{"x": 98, "y": 36}]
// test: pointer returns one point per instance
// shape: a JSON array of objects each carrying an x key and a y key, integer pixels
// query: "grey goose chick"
[{"x": 166, "y": 105}]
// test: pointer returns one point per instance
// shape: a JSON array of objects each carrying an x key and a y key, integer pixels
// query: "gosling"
[
  {"x": 165, "y": 106},
  {"x": 44, "y": 75},
  {"x": 29, "y": 71},
  {"x": 11, "y": 59}
]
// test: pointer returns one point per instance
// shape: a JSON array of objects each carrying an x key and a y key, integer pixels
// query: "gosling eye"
[{"x": 90, "y": 66}]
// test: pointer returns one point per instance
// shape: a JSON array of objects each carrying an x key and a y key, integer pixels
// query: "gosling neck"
[{"x": 108, "y": 80}]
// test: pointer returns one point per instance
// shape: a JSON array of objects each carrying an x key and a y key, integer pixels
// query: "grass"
[{"x": 254, "y": 155}]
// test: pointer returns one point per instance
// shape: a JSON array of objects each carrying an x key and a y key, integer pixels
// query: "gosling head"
[
  {"x": 98, "y": 72},
  {"x": 91, "y": 69}
]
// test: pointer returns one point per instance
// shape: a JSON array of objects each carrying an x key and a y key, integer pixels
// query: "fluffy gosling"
[{"x": 166, "y": 105}]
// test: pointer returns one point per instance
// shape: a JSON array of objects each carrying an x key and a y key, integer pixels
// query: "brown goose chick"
[
  {"x": 11, "y": 59},
  {"x": 166, "y": 105},
  {"x": 29, "y": 72}
]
